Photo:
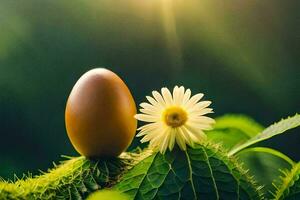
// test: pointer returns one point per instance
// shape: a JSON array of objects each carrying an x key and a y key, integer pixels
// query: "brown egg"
[{"x": 99, "y": 114}]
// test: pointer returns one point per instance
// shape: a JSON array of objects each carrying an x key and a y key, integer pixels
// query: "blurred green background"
[{"x": 244, "y": 55}]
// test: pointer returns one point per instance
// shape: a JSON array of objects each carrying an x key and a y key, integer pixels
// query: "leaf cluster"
[{"x": 230, "y": 165}]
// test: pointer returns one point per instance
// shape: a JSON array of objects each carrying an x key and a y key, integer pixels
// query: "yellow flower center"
[{"x": 174, "y": 116}]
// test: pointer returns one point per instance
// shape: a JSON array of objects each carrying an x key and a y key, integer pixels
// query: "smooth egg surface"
[{"x": 99, "y": 114}]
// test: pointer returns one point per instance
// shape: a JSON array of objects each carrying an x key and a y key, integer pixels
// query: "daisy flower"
[{"x": 176, "y": 117}]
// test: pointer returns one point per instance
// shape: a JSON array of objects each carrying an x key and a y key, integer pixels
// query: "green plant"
[{"x": 232, "y": 169}]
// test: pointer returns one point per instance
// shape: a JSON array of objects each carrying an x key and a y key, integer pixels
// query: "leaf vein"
[
  {"x": 191, "y": 174},
  {"x": 211, "y": 172}
]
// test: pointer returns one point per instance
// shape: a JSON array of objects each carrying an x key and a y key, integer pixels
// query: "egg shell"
[{"x": 99, "y": 114}]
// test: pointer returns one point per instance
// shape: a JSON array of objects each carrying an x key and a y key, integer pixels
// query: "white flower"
[{"x": 174, "y": 117}]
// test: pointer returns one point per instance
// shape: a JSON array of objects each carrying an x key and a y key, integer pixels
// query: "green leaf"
[
  {"x": 231, "y": 130},
  {"x": 266, "y": 166},
  {"x": 241, "y": 122},
  {"x": 275, "y": 129},
  {"x": 107, "y": 195},
  {"x": 72, "y": 179},
  {"x": 202, "y": 172},
  {"x": 228, "y": 138},
  {"x": 289, "y": 187}
]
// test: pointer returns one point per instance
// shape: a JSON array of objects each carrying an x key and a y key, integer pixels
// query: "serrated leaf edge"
[{"x": 288, "y": 180}]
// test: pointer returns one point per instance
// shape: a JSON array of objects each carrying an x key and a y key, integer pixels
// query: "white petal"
[
  {"x": 167, "y": 96},
  {"x": 147, "y": 118},
  {"x": 154, "y": 102},
  {"x": 149, "y": 129},
  {"x": 150, "y": 136},
  {"x": 186, "y": 96},
  {"x": 186, "y": 136},
  {"x": 176, "y": 95},
  {"x": 144, "y": 132},
  {"x": 150, "y": 112},
  {"x": 153, "y": 134},
  {"x": 159, "y": 98},
  {"x": 156, "y": 141},
  {"x": 196, "y": 132},
  {"x": 199, "y": 106},
  {"x": 194, "y": 138},
  {"x": 203, "y": 111},
  {"x": 180, "y": 140},
  {"x": 200, "y": 126},
  {"x": 165, "y": 142},
  {"x": 192, "y": 102},
  {"x": 156, "y": 124},
  {"x": 201, "y": 119},
  {"x": 149, "y": 106},
  {"x": 172, "y": 139},
  {"x": 180, "y": 95}
]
